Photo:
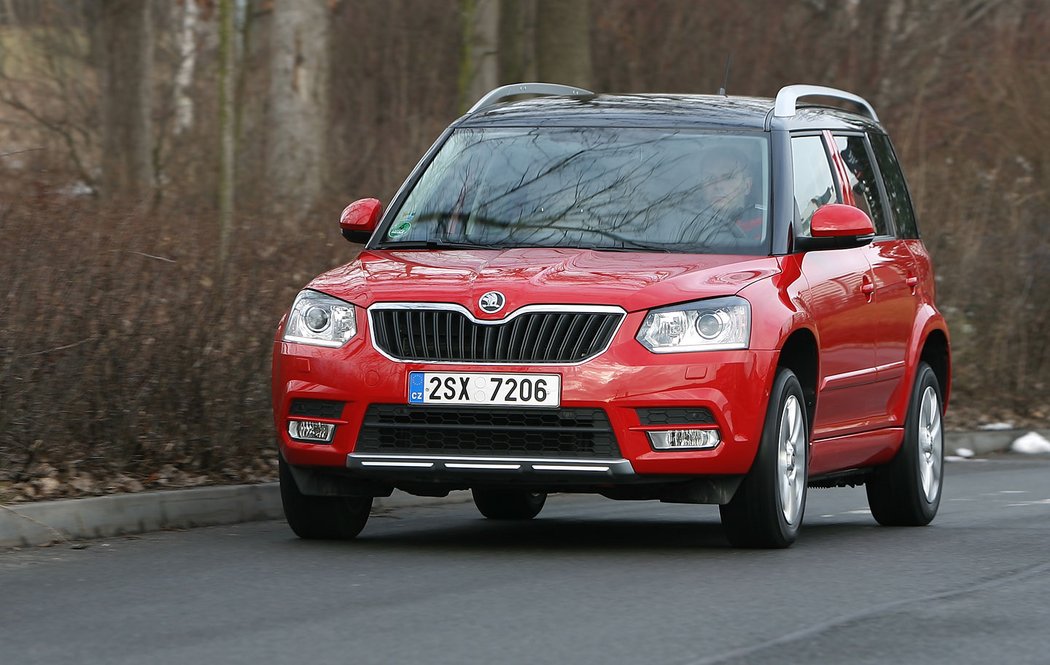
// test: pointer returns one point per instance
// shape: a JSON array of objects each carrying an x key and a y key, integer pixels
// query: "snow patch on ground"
[
  {"x": 1032, "y": 443},
  {"x": 995, "y": 427},
  {"x": 964, "y": 452}
]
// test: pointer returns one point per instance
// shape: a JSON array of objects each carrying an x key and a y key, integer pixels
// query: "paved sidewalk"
[{"x": 45, "y": 522}]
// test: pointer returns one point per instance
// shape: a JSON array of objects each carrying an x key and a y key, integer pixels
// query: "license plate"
[{"x": 486, "y": 389}]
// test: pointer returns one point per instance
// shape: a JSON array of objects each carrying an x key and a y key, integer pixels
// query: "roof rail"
[
  {"x": 501, "y": 93},
  {"x": 787, "y": 99}
]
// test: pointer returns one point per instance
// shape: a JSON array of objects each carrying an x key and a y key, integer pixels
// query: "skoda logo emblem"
[{"x": 492, "y": 302}]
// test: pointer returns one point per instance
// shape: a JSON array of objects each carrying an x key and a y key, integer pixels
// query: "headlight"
[
  {"x": 705, "y": 325},
  {"x": 320, "y": 320}
]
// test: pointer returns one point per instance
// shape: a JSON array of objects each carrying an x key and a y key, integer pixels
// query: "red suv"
[{"x": 696, "y": 299}]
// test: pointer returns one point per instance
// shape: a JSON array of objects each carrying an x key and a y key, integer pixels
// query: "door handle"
[
  {"x": 867, "y": 287},
  {"x": 912, "y": 282}
]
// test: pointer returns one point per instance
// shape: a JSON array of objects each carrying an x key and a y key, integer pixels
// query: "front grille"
[
  {"x": 580, "y": 433},
  {"x": 534, "y": 337},
  {"x": 676, "y": 416}
]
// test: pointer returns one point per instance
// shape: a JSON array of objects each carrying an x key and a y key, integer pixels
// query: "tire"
[
  {"x": 768, "y": 508},
  {"x": 321, "y": 517},
  {"x": 512, "y": 504},
  {"x": 907, "y": 491}
]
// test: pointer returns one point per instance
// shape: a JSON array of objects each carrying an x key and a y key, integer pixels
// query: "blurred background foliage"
[{"x": 171, "y": 173}]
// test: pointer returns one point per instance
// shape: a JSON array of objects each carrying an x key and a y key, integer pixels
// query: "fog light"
[
  {"x": 684, "y": 439},
  {"x": 311, "y": 430}
]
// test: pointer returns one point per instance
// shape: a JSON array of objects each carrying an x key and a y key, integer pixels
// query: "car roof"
[{"x": 717, "y": 112}]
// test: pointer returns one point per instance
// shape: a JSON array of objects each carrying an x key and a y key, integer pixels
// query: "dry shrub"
[
  {"x": 985, "y": 185},
  {"x": 123, "y": 350}
]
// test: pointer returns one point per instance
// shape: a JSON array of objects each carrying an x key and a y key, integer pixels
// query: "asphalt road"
[{"x": 589, "y": 581}]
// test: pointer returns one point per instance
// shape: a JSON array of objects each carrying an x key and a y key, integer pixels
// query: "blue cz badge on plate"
[{"x": 415, "y": 387}]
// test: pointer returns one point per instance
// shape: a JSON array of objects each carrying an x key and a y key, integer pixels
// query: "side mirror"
[
  {"x": 837, "y": 226},
  {"x": 359, "y": 219}
]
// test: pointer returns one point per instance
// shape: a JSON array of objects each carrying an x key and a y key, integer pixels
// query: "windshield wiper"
[
  {"x": 434, "y": 244},
  {"x": 623, "y": 248},
  {"x": 444, "y": 244}
]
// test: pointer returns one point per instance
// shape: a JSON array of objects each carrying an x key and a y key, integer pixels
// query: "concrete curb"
[
  {"x": 120, "y": 514},
  {"x": 45, "y": 522}
]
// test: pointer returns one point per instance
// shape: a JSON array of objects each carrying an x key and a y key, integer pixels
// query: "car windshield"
[{"x": 590, "y": 187}]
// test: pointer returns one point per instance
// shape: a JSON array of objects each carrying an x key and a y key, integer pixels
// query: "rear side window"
[
  {"x": 814, "y": 184},
  {"x": 896, "y": 188},
  {"x": 862, "y": 180}
]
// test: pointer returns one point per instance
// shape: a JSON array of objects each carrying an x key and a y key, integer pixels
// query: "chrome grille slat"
[
  {"x": 433, "y": 333},
  {"x": 462, "y": 336},
  {"x": 559, "y": 331},
  {"x": 448, "y": 334},
  {"x": 571, "y": 334},
  {"x": 586, "y": 333},
  {"x": 410, "y": 335}
]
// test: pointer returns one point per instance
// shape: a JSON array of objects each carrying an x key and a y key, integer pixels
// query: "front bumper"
[{"x": 732, "y": 385}]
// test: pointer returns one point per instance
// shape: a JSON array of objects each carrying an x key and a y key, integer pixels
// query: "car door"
[
  {"x": 838, "y": 295},
  {"x": 919, "y": 270},
  {"x": 892, "y": 307}
]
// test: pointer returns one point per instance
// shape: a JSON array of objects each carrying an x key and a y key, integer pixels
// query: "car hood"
[{"x": 526, "y": 276}]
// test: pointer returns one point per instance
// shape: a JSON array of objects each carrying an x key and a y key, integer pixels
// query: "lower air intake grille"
[
  {"x": 316, "y": 408},
  {"x": 390, "y": 428},
  {"x": 676, "y": 416}
]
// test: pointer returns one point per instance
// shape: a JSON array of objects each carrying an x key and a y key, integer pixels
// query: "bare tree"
[
  {"x": 563, "y": 43},
  {"x": 295, "y": 155},
  {"x": 125, "y": 50},
  {"x": 478, "y": 70}
]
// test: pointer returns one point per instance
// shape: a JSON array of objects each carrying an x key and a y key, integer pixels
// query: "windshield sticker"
[{"x": 399, "y": 229}]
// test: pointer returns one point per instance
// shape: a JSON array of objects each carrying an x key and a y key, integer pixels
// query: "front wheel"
[
  {"x": 907, "y": 491},
  {"x": 767, "y": 509},
  {"x": 321, "y": 517},
  {"x": 512, "y": 504}
]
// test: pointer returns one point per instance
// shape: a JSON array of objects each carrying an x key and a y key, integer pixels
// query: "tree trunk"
[
  {"x": 295, "y": 155},
  {"x": 516, "y": 39},
  {"x": 478, "y": 69},
  {"x": 227, "y": 127},
  {"x": 187, "y": 41},
  {"x": 563, "y": 44},
  {"x": 7, "y": 12},
  {"x": 125, "y": 33}
]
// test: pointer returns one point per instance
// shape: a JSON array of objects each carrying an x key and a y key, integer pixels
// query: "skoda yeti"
[{"x": 683, "y": 298}]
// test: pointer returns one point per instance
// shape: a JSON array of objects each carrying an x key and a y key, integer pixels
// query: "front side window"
[
  {"x": 590, "y": 187},
  {"x": 814, "y": 184},
  {"x": 863, "y": 180}
]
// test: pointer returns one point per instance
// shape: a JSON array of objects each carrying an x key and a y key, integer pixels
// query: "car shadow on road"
[{"x": 576, "y": 535}]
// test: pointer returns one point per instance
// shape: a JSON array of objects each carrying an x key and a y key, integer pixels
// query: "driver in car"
[{"x": 725, "y": 187}]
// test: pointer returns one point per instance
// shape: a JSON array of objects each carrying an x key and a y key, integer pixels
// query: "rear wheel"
[
  {"x": 321, "y": 517},
  {"x": 907, "y": 491},
  {"x": 767, "y": 509},
  {"x": 512, "y": 504}
]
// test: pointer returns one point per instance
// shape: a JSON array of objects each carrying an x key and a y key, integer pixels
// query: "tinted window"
[
  {"x": 663, "y": 189},
  {"x": 862, "y": 179},
  {"x": 896, "y": 188},
  {"x": 814, "y": 185}
]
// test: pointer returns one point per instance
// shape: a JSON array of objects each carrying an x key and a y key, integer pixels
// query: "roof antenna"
[{"x": 725, "y": 84}]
